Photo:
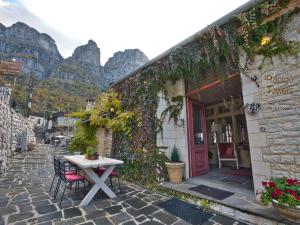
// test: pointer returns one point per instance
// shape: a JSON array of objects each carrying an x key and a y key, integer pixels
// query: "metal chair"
[
  {"x": 68, "y": 178},
  {"x": 56, "y": 164}
]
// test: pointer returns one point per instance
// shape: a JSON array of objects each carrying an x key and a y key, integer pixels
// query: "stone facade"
[
  {"x": 12, "y": 124},
  {"x": 104, "y": 137},
  {"x": 274, "y": 132},
  {"x": 174, "y": 133}
]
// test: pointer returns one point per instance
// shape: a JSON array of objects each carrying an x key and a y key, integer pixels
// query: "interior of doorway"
[{"x": 227, "y": 138}]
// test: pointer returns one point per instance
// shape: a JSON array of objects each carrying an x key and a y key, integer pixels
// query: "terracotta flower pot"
[
  {"x": 290, "y": 214},
  {"x": 92, "y": 157},
  {"x": 30, "y": 146},
  {"x": 175, "y": 171}
]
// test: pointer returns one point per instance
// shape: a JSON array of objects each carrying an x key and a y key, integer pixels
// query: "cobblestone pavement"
[{"x": 25, "y": 199}]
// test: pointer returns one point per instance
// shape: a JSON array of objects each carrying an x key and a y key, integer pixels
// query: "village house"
[
  {"x": 61, "y": 120},
  {"x": 238, "y": 122},
  {"x": 38, "y": 119}
]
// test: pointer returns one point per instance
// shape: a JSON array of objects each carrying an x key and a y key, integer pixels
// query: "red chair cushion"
[
  {"x": 101, "y": 170},
  {"x": 70, "y": 172},
  {"x": 114, "y": 174},
  {"x": 226, "y": 150},
  {"x": 73, "y": 177}
]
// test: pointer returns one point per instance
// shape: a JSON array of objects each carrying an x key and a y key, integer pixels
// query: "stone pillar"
[
  {"x": 274, "y": 132},
  {"x": 104, "y": 138}
]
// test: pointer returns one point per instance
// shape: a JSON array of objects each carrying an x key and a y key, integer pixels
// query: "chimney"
[{"x": 90, "y": 104}]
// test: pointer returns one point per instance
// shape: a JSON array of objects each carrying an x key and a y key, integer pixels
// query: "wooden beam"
[
  {"x": 208, "y": 86},
  {"x": 10, "y": 68}
]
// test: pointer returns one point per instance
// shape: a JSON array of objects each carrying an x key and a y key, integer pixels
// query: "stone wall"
[
  {"x": 104, "y": 138},
  {"x": 174, "y": 134},
  {"x": 274, "y": 132},
  {"x": 12, "y": 124}
]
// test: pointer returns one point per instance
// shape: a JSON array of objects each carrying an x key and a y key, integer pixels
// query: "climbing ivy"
[
  {"x": 251, "y": 32},
  {"x": 135, "y": 134}
]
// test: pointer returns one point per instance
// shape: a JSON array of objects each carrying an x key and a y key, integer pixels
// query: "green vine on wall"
[
  {"x": 193, "y": 63},
  {"x": 135, "y": 139},
  {"x": 108, "y": 113},
  {"x": 259, "y": 37},
  {"x": 174, "y": 109}
]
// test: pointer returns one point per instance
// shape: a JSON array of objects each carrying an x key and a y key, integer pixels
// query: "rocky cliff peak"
[
  {"x": 37, "y": 51},
  {"x": 123, "y": 63},
  {"x": 39, "y": 55},
  {"x": 21, "y": 33},
  {"x": 87, "y": 54}
]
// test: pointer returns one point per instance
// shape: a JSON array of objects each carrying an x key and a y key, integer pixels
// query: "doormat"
[
  {"x": 242, "y": 172},
  {"x": 238, "y": 180},
  {"x": 212, "y": 192},
  {"x": 188, "y": 212}
]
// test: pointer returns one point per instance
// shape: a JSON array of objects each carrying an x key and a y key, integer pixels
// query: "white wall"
[
  {"x": 173, "y": 134},
  {"x": 66, "y": 121},
  {"x": 35, "y": 120}
]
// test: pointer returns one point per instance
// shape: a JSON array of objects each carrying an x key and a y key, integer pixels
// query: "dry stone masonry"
[
  {"x": 274, "y": 132},
  {"x": 104, "y": 137},
  {"x": 12, "y": 124}
]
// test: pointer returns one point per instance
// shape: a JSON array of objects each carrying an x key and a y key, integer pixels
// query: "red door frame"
[{"x": 192, "y": 147}]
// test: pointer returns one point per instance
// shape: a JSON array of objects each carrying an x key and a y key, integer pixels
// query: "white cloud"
[
  {"x": 12, "y": 12},
  {"x": 3, "y": 3},
  {"x": 152, "y": 26}
]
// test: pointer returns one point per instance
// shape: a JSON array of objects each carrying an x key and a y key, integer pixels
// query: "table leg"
[{"x": 99, "y": 183}]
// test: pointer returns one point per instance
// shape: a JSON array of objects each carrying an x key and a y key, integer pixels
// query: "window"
[
  {"x": 39, "y": 121},
  {"x": 197, "y": 123},
  {"x": 228, "y": 133},
  {"x": 211, "y": 135}
]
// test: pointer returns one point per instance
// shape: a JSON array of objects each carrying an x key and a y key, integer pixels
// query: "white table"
[
  {"x": 87, "y": 166},
  {"x": 59, "y": 136}
]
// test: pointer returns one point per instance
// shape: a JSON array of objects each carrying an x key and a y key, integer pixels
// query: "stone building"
[
  {"x": 252, "y": 117},
  {"x": 12, "y": 125}
]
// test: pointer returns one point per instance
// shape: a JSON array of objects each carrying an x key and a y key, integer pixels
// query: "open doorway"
[{"x": 219, "y": 150}]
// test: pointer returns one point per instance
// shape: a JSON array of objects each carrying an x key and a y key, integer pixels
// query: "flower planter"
[
  {"x": 290, "y": 214},
  {"x": 92, "y": 157},
  {"x": 175, "y": 171}
]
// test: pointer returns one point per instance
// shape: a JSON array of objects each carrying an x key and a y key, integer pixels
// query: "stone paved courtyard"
[{"x": 25, "y": 198}]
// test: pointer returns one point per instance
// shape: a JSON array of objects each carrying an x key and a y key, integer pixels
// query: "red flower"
[
  {"x": 277, "y": 193},
  {"x": 294, "y": 193},
  {"x": 264, "y": 183},
  {"x": 272, "y": 184},
  {"x": 298, "y": 198},
  {"x": 291, "y": 182}
]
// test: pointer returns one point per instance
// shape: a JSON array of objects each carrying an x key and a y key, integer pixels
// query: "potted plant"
[
  {"x": 284, "y": 194},
  {"x": 175, "y": 167},
  {"x": 91, "y": 153}
]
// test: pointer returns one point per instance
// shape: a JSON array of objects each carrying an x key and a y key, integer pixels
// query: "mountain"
[
  {"x": 83, "y": 66},
  {"x": 37, "y": 51},
  {"x": 77, "y": 77},
  {"x": 122, "y": 63}
]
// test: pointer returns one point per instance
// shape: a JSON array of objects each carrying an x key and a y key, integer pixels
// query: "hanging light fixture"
[{"x": 252, "y": 108}]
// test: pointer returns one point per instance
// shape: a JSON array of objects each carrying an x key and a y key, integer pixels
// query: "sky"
[{"x": 153, "y": 26}]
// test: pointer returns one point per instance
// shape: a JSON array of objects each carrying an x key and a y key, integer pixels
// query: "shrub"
[
  {"x": 91, "y": 151},
  {"x": 175, "y": 155}
]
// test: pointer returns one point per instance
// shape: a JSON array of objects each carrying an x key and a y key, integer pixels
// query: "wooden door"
[{"x": 198, "y": 148}]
